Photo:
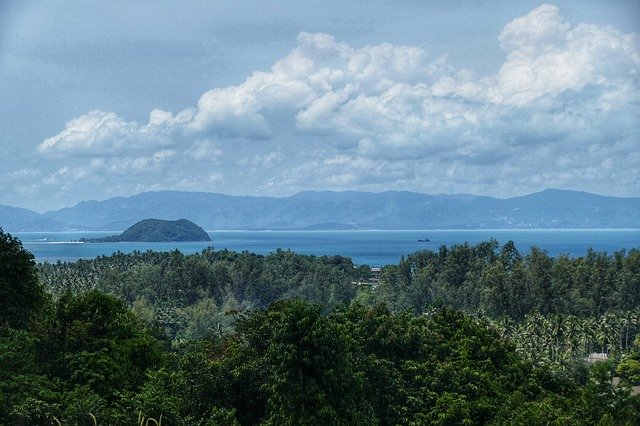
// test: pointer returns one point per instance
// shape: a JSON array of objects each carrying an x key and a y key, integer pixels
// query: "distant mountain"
[
  {"x": 17, "y": 219},
  {"x": 156, "y": 230},
  {"x": 356, "y": 210}
]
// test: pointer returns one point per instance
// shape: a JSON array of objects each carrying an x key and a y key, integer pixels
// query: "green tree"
[
  {"x": 20, "y": 292},
  {"x": 312, "y": 380},
  {"x": 539, "y": 278},
  {"x": 94, "y": 340}
]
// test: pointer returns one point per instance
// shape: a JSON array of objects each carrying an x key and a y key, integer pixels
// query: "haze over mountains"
[{"x": 338, "y": 210}]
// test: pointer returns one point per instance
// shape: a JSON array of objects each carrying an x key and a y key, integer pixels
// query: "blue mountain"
[{"x": 348, "y": 210}]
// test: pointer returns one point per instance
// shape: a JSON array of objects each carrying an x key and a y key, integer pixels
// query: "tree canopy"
[
  {"x": 465, "y": 335},
  {"x": 20, "y": 292}
]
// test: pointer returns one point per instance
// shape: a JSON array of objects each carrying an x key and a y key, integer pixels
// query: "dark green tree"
[
  {"x": 94, "y": 340},
  {"x": 20, "y": 292},
  {"x": 311, "y": 380}
]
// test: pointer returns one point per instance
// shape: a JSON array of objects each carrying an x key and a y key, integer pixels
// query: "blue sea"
[{"x": 375, "y": 248}]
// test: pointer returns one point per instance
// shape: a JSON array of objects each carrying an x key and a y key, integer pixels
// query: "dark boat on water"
[{"x": 426, "y": 240}]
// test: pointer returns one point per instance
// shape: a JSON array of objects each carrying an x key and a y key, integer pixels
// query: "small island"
[{"x": 156, "y": 230}]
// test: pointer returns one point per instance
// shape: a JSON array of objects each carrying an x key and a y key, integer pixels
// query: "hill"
[
  {"x": 350, "y": 210},
  {"x": 17, "y": 219},
  {"x": 155, "y": 230}
]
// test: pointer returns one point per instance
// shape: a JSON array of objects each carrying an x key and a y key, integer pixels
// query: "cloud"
[
  {"x": 95, "y": 130},
  {"x": 562, "y": 106},
  {"x": 546, "y": 57},
  {"x": 100, "y": 133}
]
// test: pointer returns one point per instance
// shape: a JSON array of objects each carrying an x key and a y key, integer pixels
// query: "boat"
[{"x": 426, "y": 240}]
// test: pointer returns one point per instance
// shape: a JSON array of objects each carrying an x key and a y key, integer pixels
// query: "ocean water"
[{"x": 375, "y": 248}]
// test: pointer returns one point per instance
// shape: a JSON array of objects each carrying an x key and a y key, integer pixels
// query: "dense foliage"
[
  {"x": 20, "y": 293},
  {"x": 503, "y": 282},
  {"x": 188, "y": 295},
  {"x": 467, "y": 335}
]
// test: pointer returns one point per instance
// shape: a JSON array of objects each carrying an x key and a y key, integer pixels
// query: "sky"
[{"x": 501, "y": 98}]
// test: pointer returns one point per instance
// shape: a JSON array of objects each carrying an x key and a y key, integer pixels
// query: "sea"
[{"x": 373, "y": 248}]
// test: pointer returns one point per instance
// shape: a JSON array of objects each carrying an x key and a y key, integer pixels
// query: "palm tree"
[
  {"x": 573, "y": 335},
  {"x": 589, "y": 328},
  {"x": 607, "y": 331},
  {"x": 633, "y": 325}
]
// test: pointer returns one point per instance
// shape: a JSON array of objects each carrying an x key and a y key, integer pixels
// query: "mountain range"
[{"x": 551, "y": 208}]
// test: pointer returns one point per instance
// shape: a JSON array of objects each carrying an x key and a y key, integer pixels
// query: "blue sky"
[{"x": 103, "y": 99}]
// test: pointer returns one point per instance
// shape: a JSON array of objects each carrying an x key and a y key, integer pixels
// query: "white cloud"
[
  {"x": 100, "y": 133},
  {"x": 96, "y": 129},
  {"x": 546, "y": 57},
  {"x": 565, "y": 101}
]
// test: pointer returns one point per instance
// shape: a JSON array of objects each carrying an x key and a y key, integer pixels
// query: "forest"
[{"x": 467, "y": 334}]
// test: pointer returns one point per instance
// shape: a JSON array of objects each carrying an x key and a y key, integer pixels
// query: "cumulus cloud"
[
  {"x": 94, "y": 130},
  {"x": 546, "y": 57},
  {"x": 100, "y": 133},
  {"x": 562, "y": 106}
]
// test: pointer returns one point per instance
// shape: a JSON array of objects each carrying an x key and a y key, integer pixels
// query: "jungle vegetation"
[{"x": 478, "y": 334}]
